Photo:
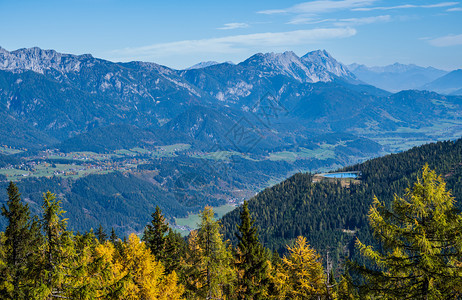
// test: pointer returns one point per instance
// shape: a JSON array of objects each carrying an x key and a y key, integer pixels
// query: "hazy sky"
[{"x": 181, "y": 33}]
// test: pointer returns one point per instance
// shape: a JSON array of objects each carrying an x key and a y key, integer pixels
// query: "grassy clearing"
[
  {"x": 14, "y": 174},
  {"x": 140, "y": 150},
  {"x": 174, "y": 148},
  {"x": 192, "y": 221},
  {"x": 283, "y": 155},
  {"x": 324, "y": 152},
  {"x": 126, "y": 152},
  {"x": 47, "y": 170},
  {"x": 8, "y": 151},
  {"x": 168, "y": 150}
]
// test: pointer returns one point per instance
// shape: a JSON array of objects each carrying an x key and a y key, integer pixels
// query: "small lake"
[{"x": 341, "y": 175}]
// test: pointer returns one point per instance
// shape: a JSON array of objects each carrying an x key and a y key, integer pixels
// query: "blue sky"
[{"x": 180, "y": 33}]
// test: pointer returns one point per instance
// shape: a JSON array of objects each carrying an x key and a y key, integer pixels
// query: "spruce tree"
[
  {"x": 421, "y": 244},
  {"x": 20, "y": 245},
  {"x": 101, "y": 235},
  {"x": 251, "y": 260},
  {"x": 113, "y": 238},
  {"x": 155, "y": 234},
  {"x": 174, "y": 251}
]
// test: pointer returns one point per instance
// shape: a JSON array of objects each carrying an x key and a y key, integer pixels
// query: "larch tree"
[
  {"x": 210, "y": 261},
  {"x": 58, "y": 252},
  {"x": 86, "y": 271},
  {"x": 113, "y": 278},
  {"x": 421, "y": 244},
  {"x": 193, "y": 274},
  {"x": 303, "y": 272},
  {"x": 251, "y": 260},
  {"x": 146, "y": 273}
]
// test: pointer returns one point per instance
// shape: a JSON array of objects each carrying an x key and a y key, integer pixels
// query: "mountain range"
[
  {"x": 62, "y": 95},
  {"x": 234, "y": 128},
  {"x": 396, "y": 77},
  {"x": 57, "y": 96},
  {"x": 450, "y": 83}
]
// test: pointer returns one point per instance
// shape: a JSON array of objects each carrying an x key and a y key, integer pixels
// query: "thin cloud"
[
  {"x": 238, "y": 43},
  {"x": 308, "y": 20},
  {"x": 446, "y": 41},
  {"x": 229, "y": 26},
  {"x": 319, "y": 6},
  {"x": 363, "y": 21},
  {"x": 342, "y": 22},
  {"x": 442, "y": 4},
  {"x": 454, "y": 9}
]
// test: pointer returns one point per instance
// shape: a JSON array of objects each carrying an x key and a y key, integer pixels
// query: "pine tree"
[
  {"x": 20, "y": 244},
  {"x": 421, "y": 244},
  {"x": 155, "y": 234},
  {"x": 251, "y": 260}
]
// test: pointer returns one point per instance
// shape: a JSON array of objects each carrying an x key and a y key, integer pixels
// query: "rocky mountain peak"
[
  {"x": 39, "y": 60},
  {"x": 323, "y": 59},
  {"x": 288, "y": 64}
]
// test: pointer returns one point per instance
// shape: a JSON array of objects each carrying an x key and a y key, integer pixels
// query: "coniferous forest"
[
  {"x": 330, "y": 216},
  {"x": 393, "y": 235}
]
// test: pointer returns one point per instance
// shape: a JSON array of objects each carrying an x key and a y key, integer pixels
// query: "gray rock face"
[
  {"x": 330, "y": 64},
  {"x": 39, "y": 61}
]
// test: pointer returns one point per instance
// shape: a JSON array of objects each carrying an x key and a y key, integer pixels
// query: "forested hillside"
[
  {"x": 419, "y": 256},
  {"x": 332, "y": 216}
]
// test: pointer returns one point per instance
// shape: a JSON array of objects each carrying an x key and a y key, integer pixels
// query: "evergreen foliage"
[
  {"x": 250, "y": 260},
  {"x": 165, "y": 244},
  {"x": 19, "y": 244},
  {"x": 421, "y": 244},
  {"x": 209, "y": 271},
  {"x": 46, "y": 261},
  {"x": 418, "y": 254},
  {"x": 100, "y": 234},
  {"x": 155, "y": 234},
  {"x": 175, "y": 248},
  {"x": 58, "y": 249},
  {"x": 332, "y": 216},
  {"x": 113, "y": 237}
]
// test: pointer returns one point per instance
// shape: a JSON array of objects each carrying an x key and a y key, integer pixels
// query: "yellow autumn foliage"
[{"x": 135, "y": 274}]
